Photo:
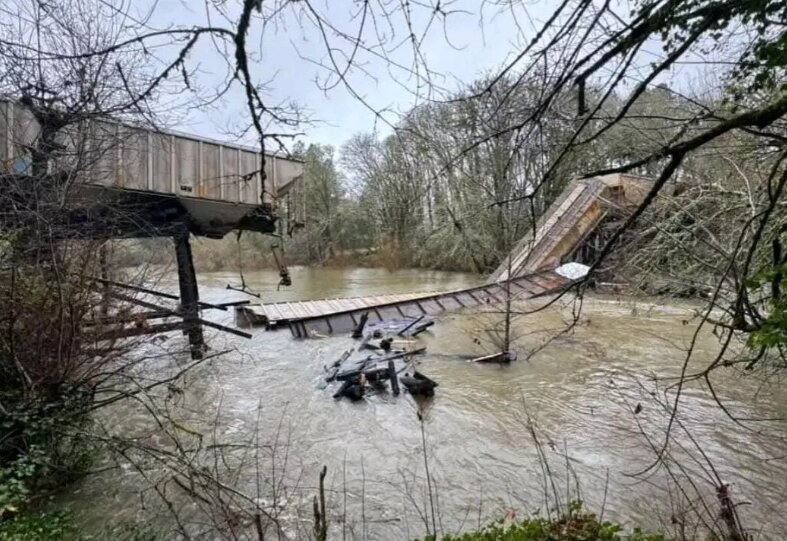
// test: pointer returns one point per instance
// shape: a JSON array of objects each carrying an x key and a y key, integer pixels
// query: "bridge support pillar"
[{"x": 189, "y": 293}]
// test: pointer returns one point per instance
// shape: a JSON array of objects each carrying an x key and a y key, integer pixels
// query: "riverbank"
[
  {"x": 210, "y": 258},
  {"x": 252, "y": 253}
]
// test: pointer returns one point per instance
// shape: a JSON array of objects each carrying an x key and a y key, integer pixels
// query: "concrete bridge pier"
[{"x": 189, "y": 293}]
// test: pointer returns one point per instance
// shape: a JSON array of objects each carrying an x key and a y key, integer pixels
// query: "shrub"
[
  {"x": 577, "y": 525},
  {"x": 58, "y": 526}
]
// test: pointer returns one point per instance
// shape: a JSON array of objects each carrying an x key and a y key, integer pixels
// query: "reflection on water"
[{"x": 580, "y": 392}]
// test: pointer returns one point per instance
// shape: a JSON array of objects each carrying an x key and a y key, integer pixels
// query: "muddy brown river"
[{"x": 491, "y": 431}]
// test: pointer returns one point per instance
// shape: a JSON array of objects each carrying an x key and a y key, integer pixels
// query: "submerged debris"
[
  {"x": 385, "y": 351},
  {"x": 418, "y": 384},
  {"x": 499, "y": 357},
  {"x": 405, "y": 326},
  {"x": 352, "y": 389},
  {"x": 334, "y": 369},
  {"x": 374, "y": 369}
]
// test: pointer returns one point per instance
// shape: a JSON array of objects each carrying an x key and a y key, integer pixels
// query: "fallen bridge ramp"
[
  {"x": 569, "y": 221},
  {"x": 331, "y": 316}
]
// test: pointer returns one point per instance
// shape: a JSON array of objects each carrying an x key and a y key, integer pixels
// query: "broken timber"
[
  {"x": 499, "y": 357},
  {"x": 114, "y": 327},
  {"x": 332, "y": 316}
]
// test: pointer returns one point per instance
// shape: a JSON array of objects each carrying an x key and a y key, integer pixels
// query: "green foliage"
[
  {"x": 576, "y": 526},
  {"x": 759, "y": 65},
  {"x": 763, "y": 63},
  {"x": 772, "y": 332},
  {"x": 59, "y": 526},
  {"x": 55, "y": 526},
  {"x": 45, "y": 388},
  {"x": 40, "y": 449}
]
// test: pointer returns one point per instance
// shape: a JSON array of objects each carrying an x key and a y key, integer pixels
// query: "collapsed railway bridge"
[
  {"x": 535, "y": 267},
  {"x": 141, "y": 182}
]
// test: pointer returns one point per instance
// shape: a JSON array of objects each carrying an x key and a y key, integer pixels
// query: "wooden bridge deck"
[{"x": 330, "y": 316}]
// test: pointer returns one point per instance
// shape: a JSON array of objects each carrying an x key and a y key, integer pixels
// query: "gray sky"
[{"x": 474, "y": 39}]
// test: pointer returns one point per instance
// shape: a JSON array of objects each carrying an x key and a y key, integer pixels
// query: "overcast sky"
[{"x": 470, "y": 41}]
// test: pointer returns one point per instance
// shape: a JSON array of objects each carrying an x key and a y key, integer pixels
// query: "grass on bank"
[
  {"x": 577, "y": 525},
  {"x": 59, "y": 526}
]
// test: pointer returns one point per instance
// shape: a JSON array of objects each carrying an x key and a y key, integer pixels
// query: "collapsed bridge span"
[
  {"x": 533, "y": 269},
  {"x": 329, "y": 316}
]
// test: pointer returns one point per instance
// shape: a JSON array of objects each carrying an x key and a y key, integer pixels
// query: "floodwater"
[{"x": 493, "y": 434}]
